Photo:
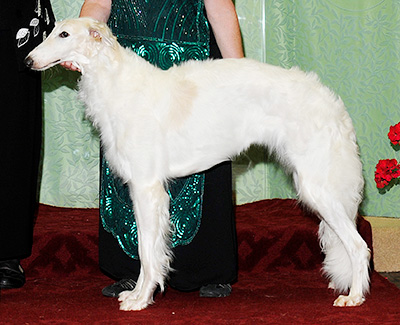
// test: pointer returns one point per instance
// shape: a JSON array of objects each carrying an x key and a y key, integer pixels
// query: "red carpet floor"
[{"x": 279, "y": 278}]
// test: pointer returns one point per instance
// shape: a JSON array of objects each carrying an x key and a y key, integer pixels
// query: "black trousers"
[
  {"x": 20, "y": 134},
  {"x": 211, "y": 258}
]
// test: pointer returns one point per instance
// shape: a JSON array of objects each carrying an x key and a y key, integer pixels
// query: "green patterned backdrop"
[{"x": 352, "y": 44}]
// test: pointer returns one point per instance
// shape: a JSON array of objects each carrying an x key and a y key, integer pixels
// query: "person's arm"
[
  {"x": 224, "y": 21},
  {"x": 97, "y": 9}
]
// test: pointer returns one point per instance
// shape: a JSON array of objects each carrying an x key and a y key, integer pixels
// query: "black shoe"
[
  {"x": 116, "y": 288},
  {"x": 215, "y": 290},
  {"x": 12, "y": 274}
]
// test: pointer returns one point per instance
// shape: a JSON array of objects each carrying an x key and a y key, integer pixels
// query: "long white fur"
[{"x": 157, "y": 125}]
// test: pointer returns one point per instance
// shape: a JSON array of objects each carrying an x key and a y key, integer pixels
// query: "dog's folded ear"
[{"x": 95, "y": 34}]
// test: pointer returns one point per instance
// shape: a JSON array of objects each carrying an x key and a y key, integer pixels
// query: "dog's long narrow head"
[{"x": 76, "y": 40}]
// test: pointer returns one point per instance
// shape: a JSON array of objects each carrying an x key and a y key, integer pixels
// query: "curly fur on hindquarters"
[{"x": 157, "y": 125}]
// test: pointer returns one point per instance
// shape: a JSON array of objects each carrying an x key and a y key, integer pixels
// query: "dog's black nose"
[{"x": 28, "y": 62}]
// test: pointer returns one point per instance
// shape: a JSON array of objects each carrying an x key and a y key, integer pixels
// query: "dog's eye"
[{"x": 64, "y": 34}]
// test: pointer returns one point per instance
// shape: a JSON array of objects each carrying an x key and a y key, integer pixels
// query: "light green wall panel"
[
  {"x": 70, "y": 175},
  {"x": 354, "y": 47}
]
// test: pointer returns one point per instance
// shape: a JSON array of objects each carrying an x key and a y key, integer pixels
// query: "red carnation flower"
[
  {"x": 386, "y": 170},
  {"x": 394, "y": 134}
]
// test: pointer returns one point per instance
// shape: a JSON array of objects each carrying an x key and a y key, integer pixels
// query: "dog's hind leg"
[
  {"x": 151, "y": 205},
  {"x": 346, "y": 262},
  {"x": 347, "y": 256}
]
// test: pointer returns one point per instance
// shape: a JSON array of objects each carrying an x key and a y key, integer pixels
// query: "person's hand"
[{"x": 70, "y": 66}]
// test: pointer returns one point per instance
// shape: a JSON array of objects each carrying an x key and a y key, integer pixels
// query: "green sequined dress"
[{"x": 165, "y": 32}]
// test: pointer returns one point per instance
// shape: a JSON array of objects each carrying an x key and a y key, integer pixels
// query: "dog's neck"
[
  {"x": 109, "y": 64},
  {"x": 107, "y": 61}
]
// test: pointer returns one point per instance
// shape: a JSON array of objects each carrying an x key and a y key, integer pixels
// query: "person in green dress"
[{"x": 167, "y": 32}]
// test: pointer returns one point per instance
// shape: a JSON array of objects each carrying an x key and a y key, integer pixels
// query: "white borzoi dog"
[{"x": 158, "y": 125}]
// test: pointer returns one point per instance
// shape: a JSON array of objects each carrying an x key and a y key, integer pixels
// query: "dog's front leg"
[{"x": 151, "y": 205}]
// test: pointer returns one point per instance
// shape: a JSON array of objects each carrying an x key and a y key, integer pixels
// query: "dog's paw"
[
  {"x": 130, "y": 301},
  {"x": 129, "y": 294},
  {"x": 133, "y": 305},
  {"x": 349, "y": 301}
]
